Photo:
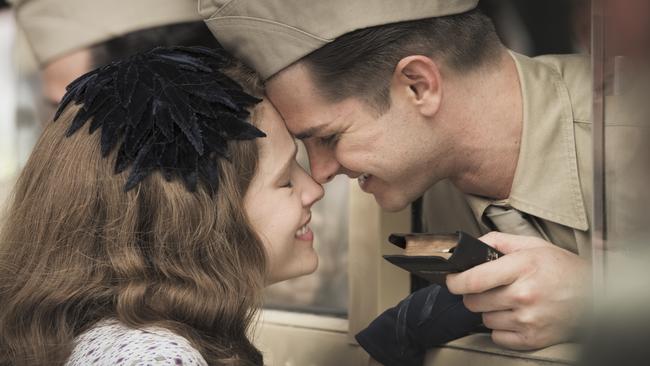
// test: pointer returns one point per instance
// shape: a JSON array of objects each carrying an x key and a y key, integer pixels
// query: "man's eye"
[
  {"x": 288, "y": 185},
  {"x": 329, "y": 140}
]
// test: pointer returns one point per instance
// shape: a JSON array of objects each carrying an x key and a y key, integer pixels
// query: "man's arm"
[{"x": 532, "y": 297}]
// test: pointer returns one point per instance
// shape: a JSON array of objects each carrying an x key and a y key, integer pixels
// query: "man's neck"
[{"x": 492, "y": 121}]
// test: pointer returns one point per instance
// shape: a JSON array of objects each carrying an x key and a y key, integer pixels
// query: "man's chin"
[{"x": 391, "y": 203}]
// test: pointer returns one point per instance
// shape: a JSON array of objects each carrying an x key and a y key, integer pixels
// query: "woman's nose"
[{"x": 312, "y": 193}]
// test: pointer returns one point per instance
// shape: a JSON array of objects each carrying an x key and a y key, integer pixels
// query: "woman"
[{"x": 149, "y": 239}]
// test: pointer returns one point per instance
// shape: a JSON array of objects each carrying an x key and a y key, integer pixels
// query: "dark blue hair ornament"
[{"x": 168, "y": 109}]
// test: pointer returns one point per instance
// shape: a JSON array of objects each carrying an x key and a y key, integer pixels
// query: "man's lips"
[{"x": 363, "y": 181}]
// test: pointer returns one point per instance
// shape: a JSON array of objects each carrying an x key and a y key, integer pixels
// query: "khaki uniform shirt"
[{"x": 553, "y": 179}]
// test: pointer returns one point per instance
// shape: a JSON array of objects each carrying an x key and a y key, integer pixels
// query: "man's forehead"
[
  {"x": 304, "y": 123},
  {"x": 295, "y": 96},
  {"x": 305, "y": 110},
  {"x": 297, "y": 74}
]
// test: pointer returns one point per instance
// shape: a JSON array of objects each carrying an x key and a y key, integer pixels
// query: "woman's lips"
[{"x": 305, "y": 233}]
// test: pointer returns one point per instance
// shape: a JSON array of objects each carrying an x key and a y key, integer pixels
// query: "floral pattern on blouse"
[{"x": 111, "y": 343}]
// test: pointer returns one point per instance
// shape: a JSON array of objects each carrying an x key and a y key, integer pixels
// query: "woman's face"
[{"x": 279, "y": 199}]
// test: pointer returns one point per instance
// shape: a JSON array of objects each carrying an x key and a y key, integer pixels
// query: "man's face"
[
  {"x": 57, "y": 74},
  {"x": 349, "y": 137}
]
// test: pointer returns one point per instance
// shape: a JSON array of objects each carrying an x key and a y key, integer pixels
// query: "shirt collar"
[{"x": 546, "y": 182}]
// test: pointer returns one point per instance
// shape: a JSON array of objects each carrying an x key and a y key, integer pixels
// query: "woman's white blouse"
[{"x": 111, "y": 343}]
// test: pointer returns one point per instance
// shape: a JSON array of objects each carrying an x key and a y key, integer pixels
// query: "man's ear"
[{"x": 419, "y": 78}]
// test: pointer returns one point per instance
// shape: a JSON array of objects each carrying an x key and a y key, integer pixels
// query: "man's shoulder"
[{"x": 575, "y": 71}]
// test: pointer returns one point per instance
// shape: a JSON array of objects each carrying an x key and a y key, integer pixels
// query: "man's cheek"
[{"x": 350, "y": 158}]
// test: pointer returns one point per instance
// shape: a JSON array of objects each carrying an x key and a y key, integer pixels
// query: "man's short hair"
[{"x": 361, "y": 63}]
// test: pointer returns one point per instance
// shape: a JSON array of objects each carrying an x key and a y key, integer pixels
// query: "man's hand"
[{"x": 532, "y": 297}]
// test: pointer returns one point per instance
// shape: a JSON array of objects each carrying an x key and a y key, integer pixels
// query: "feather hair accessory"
[{"x": 169, "y": 109}]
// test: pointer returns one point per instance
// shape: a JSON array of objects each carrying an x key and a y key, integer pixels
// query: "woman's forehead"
[{"x": 278, "y": 142}]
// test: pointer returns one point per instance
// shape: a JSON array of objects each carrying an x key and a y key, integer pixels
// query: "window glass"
[{"x": 621, "y": 152}]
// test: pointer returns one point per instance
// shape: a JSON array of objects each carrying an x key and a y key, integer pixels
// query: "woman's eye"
[{"x": 288, "y": 185}]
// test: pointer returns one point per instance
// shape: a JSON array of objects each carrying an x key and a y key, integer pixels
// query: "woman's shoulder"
[{"x": 113, "y": 343}]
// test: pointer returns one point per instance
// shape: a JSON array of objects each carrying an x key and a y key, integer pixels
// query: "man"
[
  {"x": 71, "y": 37},
  {"x": 402, "y": 95}
]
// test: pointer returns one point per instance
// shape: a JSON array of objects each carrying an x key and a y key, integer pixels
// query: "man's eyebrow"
[{"x": 310, "y": 132}]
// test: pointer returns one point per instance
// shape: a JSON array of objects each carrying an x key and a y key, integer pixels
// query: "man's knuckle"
[
  {"x": 525, "y": 296},
  {"x": 526, "y": 319},
  {"x": 531, "y": 259}
]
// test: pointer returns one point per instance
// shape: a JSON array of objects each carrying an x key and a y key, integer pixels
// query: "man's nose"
[{"x": 324, "y": 166}]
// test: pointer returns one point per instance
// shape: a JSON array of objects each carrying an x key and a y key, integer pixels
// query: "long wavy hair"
[{"x": 76, "y": 249}]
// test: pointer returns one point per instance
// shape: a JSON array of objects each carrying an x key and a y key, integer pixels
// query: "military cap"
[
  {"x": 57, "y": 27},
  {"x": 270, "y": 35}
]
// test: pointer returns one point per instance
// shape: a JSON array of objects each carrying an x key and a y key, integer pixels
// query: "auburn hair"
[{"x": 76, "y": 249}]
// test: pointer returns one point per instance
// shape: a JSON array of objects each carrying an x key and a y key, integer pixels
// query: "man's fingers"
[
  {"x": 500, "y": 320},
  {"x": 511, "y": 340},
  {"x": 508, "y": 243},
  {"x": 492, "y": 300},
  {"x": 486, "y": 276}
]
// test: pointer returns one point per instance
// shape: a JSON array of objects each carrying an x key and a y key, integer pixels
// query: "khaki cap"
[
  {"x": 57, "y": 27},
  {"x": 270, "y": 35}
]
